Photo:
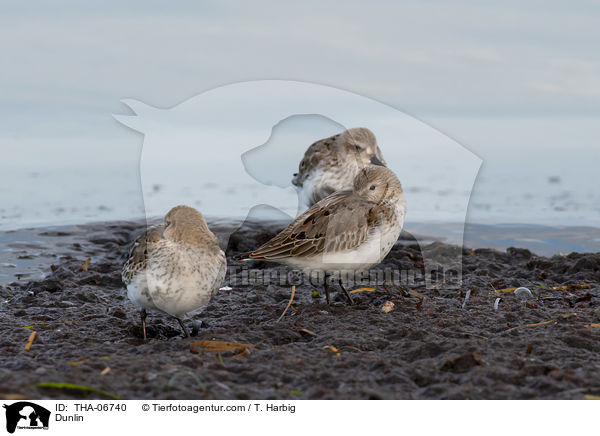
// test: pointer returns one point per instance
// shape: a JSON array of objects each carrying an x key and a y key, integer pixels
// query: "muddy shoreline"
[{"x": 439, "y": 347}]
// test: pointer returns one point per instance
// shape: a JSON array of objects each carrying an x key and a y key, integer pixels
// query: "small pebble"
[{"x": 387, "y": 307}]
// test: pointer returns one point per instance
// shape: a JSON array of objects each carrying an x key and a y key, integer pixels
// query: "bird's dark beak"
[{"x": 375, "y": 161}]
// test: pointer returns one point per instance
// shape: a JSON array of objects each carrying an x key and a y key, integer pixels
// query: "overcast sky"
[{"x": 66, "y": 65}]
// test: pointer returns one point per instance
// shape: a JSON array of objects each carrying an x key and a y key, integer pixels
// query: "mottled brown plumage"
[
  {"x": 331, "y": 164},
  {"x": 333, "y": 221},
  {"x": 347, "y": 231},
  {"x": 174, "y": 267},
  {"x": 138, "y": 253}
]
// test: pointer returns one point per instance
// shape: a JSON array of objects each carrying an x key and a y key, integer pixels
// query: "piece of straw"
[
  {"x": 30, "y": 340},
  {"x": 288, "y": 305}
]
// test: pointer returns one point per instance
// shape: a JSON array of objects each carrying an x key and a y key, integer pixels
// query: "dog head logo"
[
  {"x": 232, "y": 152},
  {"x": 26, "y": 415}
]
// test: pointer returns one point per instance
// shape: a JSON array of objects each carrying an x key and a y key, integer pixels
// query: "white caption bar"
[{"x": 284, "y": 418}]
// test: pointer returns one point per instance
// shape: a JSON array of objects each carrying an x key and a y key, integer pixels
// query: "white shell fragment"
[
  {"x": 387, "y": 307},
  {"x": 496, "y": 303},
  {"x": 523, "y": 292},
  {"x": 467, "y": 296}
]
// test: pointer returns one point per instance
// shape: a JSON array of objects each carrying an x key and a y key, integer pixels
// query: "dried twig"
[
  {"x": 220, "y": 347},
  {"x": 288, "y": 305},
  {"x": 420, "y": 296},
  {"x": 355, "y": 291},
  {"x": 570, "y": 287},
  {"x": 334, "y": 349},
  {"x": 387, "y": 291},
  {"x": 537, "y": 324},
  {"x": 30, "y": 340},
  {"x": 554, "y": 288},
  {"x": 308, "y": 332},
  {"x": 416, "y": 294}
]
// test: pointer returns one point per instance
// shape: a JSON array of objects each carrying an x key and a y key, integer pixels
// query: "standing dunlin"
[
  {"x": 331, "y": 164},
  {"x": 348, "y": 231},
  {"x": 175, "y": 267}
]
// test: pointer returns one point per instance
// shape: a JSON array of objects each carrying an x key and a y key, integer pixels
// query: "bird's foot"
[
  {"x": 184, "y": 328},
  {"x": 143, "y": 315}
]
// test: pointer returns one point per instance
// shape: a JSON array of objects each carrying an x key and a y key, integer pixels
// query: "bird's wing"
[
  {"x": 339, "y": 222},
  {"x": 313, "y": 155},
  {"x": 138, "y": 253}
]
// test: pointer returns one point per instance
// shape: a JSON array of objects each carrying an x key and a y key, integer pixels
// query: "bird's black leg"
[
  {"x": 327, "y": 286},
  {"x": 143, "y": 315},
  {"x": 348, "y": 296},
  {"x": 327, "y": 295},
  {"x": 185, "y": 330}
]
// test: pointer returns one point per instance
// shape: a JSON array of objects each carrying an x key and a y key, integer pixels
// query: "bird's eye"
[
  {"x": 358, "y": 147},
  {"x": 168, "y": 222},
  {"x": 372, "y": 187}
]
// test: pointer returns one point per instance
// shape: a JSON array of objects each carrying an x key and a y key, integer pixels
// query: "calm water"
[{"x": 542, "y": 200}]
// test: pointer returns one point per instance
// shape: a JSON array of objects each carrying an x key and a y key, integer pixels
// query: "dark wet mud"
[{"x": 444, "y": 346}]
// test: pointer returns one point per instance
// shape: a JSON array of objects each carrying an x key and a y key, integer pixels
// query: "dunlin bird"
[
  {"x": 175, "y": 267},
  {"x": 331, "y": 164},
  {"x": 348, "y": 231}
]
